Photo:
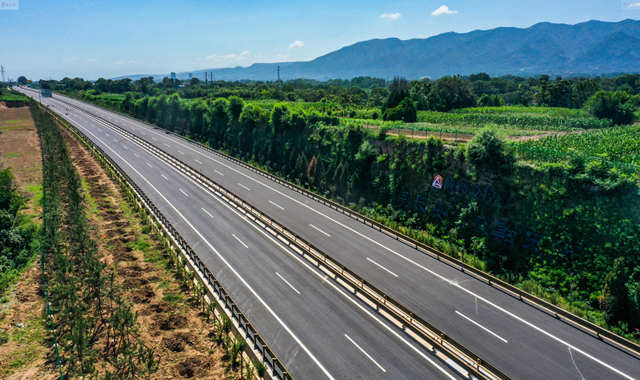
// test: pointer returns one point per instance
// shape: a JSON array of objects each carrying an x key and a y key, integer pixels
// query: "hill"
[{"x": 592, "y": 47}]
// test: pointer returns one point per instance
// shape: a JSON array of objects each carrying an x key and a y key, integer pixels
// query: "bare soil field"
[{"x": 170, "y": 320}]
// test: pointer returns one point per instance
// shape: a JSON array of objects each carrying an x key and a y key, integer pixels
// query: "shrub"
[{"x": 612, "y": 105}]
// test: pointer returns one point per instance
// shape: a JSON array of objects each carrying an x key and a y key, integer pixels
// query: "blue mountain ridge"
[{"x": 590, "y": 48}]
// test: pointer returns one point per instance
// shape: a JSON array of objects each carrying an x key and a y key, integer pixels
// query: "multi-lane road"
[{"x": 316, "y": 327}]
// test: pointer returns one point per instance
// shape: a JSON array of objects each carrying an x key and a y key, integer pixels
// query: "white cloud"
[
  {"x": 633, "y": 5},
  {"x": 132, "y": 62},
  {"x": 282, "y": 57},
  {"x": 92, "y": 60},
  {"x": 391, "y": 16},
  {"x": 219, "y": 58},
  {"x": 297, "y": 44},
  {"x": 69, "y": 59},
  {"x": 443, "y": 10}
]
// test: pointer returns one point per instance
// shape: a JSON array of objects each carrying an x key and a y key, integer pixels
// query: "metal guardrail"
[
  {"x": 599, "y": 331},
  {"x": 438, "y": 339},
  {"x": 223, "y": 296}
]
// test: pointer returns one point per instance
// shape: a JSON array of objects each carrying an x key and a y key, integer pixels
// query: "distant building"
[
  {"x": 190, "y": 75},
  {"x": 173, "y": 75}
]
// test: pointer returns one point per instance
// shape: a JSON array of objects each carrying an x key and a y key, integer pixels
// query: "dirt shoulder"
[{"x": 170, "y": 319}]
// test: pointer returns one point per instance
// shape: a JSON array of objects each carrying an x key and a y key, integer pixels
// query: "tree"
[
  {"x": 406, "y": 111},
  {"x": 487, "y": 100},
  {"x": 279, "y": 118},
  {"x": 9, "y": 198},
  {"x": 479, "y": 77},
  {"x": 235, "y": 107},
  {"x": 449, "y": 93},
  {"x": 614, "y": 300},
  {"x": 486, "y": 152},
  {"x": 398, "y": 91},
  {"x": 583, "y": 90},
  {"x": 612, "y": 105},
  {"x": 560, "y": 94}
]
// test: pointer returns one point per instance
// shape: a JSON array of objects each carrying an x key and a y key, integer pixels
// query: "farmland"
[
  {"x": 355, "y": 147},
  {"x": 618, "y": 144}
]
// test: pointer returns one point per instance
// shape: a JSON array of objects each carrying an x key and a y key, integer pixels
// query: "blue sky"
[{"x": 90, "y": 39}]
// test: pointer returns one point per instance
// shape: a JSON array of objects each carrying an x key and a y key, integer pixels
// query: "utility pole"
[{"x": 278, "y": 73}]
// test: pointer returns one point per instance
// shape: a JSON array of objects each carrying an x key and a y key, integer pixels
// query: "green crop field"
[
  {"x": 539, "y": 121},
  {"x": 619, "y": 144},
  {"x": 13, "y": 98}
]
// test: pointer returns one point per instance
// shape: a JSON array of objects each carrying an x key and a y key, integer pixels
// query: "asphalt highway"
[
  {"x": 317, "y": 328},
  {"x": 519, "y": 339}
]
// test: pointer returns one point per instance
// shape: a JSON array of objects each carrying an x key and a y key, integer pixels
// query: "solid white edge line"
[
  {"x": 207, "y": 212},
  {"x": 300, "y": 260},
  {"x": 222, "y": 258},
  {"x": 420, "y": 266},
  {"x": 516, "y": 317},
  {"x": 321, "y": 276},
  {"x": 244, "y": 186},
  {"x": 278, "y": 206},
  {"x": 183, "y": 192},
  {"x": 239, "y": 240},
  {"x": 482, "y": 327},
  {"x": 382, "y": 267},
  {"x": 364, "y": 352},
  {"x": 319, "y": 229},
  {"x": 296, "y": 290}
]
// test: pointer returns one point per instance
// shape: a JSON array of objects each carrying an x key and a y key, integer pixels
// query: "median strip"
[{"x": 464, "y": 358}]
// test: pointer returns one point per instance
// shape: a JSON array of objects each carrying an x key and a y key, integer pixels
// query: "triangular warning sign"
[{"x": 438, "y": 182}]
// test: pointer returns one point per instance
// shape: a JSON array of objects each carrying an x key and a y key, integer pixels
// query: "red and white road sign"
[{"x": 438, "y": 182}]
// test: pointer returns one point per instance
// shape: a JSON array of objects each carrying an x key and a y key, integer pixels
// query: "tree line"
[
  {"x": 480, "y": 89},
  {"x": 525, "y": 224},
  {"x": 86, "y": 302}
]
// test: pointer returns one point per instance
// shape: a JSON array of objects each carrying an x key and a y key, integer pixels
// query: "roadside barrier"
[
  {"x": 439, "y": 341},
  {"x": 215, "y": 290},
  {"x": 598, "y": 331}
]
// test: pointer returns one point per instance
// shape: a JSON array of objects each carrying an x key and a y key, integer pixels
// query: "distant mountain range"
[{"x": 592, "y": 47}]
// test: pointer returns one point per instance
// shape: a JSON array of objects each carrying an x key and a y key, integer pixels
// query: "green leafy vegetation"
[
  {"x": 18, "y": 232},
  {"x": 82, "y": 292},
  {"x": 556, "y": 227},
  {"x": 618, "y": 144}
]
